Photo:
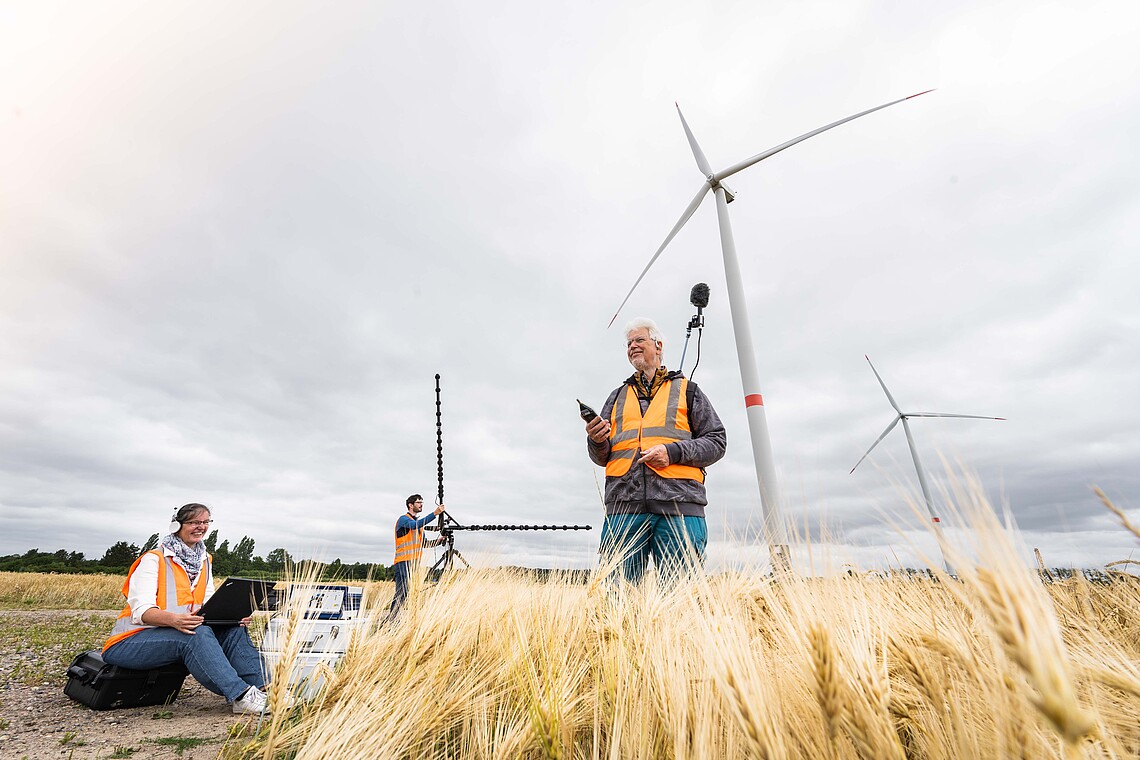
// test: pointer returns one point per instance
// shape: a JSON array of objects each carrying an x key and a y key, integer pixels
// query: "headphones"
[{"x": 182, "y": 513}]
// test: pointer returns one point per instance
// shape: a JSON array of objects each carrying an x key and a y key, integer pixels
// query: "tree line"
[{"x": 238, "y": 559}]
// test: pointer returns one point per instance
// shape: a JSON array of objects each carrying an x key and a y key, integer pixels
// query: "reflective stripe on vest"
[
  {"x": 174, "y": 594},
  {"x": 666, "y": 421},
  {"x": 410, "y": 546}
]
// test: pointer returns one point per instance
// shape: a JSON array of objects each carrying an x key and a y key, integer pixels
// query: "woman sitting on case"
[{"x": 164, "y": 588}]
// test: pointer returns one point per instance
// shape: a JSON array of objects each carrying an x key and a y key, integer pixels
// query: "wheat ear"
[{"x": 1117, "y": 511}]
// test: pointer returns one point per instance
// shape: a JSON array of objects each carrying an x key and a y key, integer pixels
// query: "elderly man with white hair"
[{"x": 655, "y": 435}]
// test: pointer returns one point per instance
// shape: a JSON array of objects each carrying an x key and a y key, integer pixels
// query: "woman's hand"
[{"x": 185, "y": 622}]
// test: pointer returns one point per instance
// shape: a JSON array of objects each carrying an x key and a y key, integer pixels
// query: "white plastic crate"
[
  {"x": 313, "y": 635},
  {"x": 324, "y": 601},
  {"x": 310, "y": 671}
]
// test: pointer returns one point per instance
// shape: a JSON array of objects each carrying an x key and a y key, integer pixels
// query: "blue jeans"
[
  {"x": 223, "y": 660},
  {"x": 400, "y": 575},
  {"x": 676, "y": 544}
]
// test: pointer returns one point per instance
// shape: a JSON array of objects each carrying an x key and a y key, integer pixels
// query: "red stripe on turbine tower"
[{"x": 753, "y": 399}]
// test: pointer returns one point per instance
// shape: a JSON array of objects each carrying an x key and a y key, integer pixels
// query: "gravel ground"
[{"x": 39, "y": 721}]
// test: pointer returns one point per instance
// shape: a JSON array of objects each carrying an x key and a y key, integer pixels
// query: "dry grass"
[
  {"x": 39, "y": 591},
  {"x": 1118, "y": 512},
  {"x": 492, "y": 665},
  {"x": 52, "y": 591}
]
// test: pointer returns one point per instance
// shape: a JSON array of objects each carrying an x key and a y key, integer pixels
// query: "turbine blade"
[
  {"x": 964, "y": 416},
  {"x": 783, "y": 146},
  {"x": 886, "y": 432},
  {"x": 884, "y": 385},
  {"x": 702, "y": 162},
  {"x": 700, "y": 196}
]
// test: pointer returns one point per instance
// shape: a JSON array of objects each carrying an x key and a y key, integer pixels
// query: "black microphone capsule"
[{"x": 699, "y": 295}]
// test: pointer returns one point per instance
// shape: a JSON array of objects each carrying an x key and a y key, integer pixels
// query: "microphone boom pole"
[{"x": 439, "y": 440}]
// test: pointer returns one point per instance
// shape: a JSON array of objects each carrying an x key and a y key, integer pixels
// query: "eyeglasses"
[
  {"x": 638, "y": 341},
  {"x": 198, "y": 523}
]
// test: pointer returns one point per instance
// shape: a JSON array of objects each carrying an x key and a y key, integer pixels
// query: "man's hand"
[
  {"x": 439, "y": 509},
  {"x": 598, "y": 429},
  {"x": 656, "y": 456}
]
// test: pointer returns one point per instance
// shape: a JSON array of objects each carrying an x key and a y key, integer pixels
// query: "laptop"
[{"x": 235, "y": 600}]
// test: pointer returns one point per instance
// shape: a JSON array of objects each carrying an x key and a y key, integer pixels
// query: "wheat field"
[
  {"x": 39, "y": 591},
  {"x": 993, "y": 664}
]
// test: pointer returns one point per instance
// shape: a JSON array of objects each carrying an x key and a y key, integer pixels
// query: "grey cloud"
[{"x": 238, "y": 252}]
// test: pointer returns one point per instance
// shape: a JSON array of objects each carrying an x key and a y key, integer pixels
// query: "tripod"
[{"x": 446, "y": 528}]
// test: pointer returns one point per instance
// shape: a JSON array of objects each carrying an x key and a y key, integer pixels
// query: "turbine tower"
[
  {"x": 745, "y": 352},
  {"x": 902, "y": 416}
]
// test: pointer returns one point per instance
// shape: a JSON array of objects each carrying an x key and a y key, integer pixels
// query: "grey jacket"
[{"x": 641, "y": 490}]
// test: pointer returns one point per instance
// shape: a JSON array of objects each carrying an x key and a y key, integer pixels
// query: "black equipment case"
[{"x": 107, "y": 687}]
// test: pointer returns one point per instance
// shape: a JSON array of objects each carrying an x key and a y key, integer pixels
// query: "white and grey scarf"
[{"x": 190, "y": 556}]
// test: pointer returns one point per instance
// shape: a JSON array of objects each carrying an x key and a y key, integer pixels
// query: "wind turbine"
[
  {"x": 746, "y": 356},
  {"x": 902, "y": 416}
]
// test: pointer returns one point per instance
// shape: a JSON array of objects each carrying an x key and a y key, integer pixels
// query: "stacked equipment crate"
[{"x": 313, "y": 626}]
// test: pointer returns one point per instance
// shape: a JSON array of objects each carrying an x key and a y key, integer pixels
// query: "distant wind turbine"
[
  {"x": 902, "y": 416},
  {"x": 746, "y": 356}
]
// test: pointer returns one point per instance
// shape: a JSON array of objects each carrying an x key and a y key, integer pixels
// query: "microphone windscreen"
[{"x": 699, "y": 296}]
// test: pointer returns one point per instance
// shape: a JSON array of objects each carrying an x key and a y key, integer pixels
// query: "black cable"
[{"x": 700, "y": 331}]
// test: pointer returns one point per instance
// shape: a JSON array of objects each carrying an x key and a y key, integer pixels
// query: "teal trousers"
[{"x": 676, "y": 544}]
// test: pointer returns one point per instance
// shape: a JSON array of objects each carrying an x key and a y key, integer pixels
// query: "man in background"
[{"x": 409, "y": 547}]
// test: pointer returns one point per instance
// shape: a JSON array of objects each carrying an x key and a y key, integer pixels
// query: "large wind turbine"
[
  {"x": 749, "y": 375},
  {"x": 902, "y": 416}
]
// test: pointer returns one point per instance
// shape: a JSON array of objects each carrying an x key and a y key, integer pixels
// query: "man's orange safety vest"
[
  {"x": 666, "y": 420},
  {"x": 410, "y": 546},
  {"x": 174, "y": 594}
]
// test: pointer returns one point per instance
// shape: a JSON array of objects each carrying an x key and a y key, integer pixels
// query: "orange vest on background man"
[
  {"x": 174, "y": 594},
  {"x": 410, "y": 546},
  {"x": 666, "y": 421}
]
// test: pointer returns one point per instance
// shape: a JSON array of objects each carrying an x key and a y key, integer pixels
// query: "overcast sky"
[{"x": 238, "y": 240}]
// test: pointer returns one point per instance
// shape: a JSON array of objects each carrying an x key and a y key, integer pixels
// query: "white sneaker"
[{"x": 253, "y": 701}]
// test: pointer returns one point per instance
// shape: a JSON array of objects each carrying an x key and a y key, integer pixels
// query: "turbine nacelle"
[{"x": 714, "y": 183}]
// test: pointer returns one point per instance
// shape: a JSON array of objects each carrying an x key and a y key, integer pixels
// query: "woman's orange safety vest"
[
  {"x": 666, "y": 420},
  {"x": 410, "y": 546},
  {"x": 174, "y": 594}
]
